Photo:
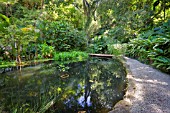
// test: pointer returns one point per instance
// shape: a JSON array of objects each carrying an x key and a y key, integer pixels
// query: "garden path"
[{"x": 148, "y": 90}]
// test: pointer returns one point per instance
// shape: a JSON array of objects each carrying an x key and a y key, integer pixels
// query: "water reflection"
[
  {"x": 93, "y": 86},
  {"x": 85, "y": 101}
]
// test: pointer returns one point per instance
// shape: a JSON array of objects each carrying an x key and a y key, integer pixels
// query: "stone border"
[{"x": 123, "y": 106}]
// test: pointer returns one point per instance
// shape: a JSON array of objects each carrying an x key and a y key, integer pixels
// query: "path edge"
[{"x": 124, "y": 105}]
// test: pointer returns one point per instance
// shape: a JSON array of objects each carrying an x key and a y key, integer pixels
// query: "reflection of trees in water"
[
  {"x": 107, "y": 77},
  {"x": 100, "y": 81}
]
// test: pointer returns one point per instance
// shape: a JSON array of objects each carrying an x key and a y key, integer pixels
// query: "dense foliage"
[
  {"x": 29, "y": 31},
  {"x": 71, "y": 56},
  {"x": 36, "y": 29},
  {"x": 62, "y": 36},
  {"x": 61, "y": 29},
  {"x": 153, "y": 46}
]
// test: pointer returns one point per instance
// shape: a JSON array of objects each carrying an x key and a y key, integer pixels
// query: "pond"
[{"x": 92, "y": 86}]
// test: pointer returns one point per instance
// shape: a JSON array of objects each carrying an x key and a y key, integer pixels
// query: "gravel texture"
[{"x": 148, "y": 90}]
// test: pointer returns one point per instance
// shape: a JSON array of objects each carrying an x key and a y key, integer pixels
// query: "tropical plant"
[
  {"x": 153, "y": 46},
  {"x": 117, "y": 49},
  {"x": 4, "y": 22},
  {"x": 62, "y": 36},
  {"x": 46, "y": 51},
  {"x": 71, "y": 56},
  {"x": 17, "y": 38},
  {"x": 99, "y": 45}
]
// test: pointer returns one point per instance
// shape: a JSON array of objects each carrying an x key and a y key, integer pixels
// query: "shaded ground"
[{"x": 148, "y": 90}]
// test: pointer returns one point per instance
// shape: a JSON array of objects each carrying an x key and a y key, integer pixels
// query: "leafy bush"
[
  {"x": 153, "y": 46},
  {"x": 105, "y": 45},
  {"x": 46, "y": 50},
  {"x": 62, "y": 36},
  {"x": 4, "y": 22},
  {"x": 117, "y": 49},
  {"x": 120, "y": 33},
  {"x": 99, "y": 45},
  {"x": 68, "y": 56}
]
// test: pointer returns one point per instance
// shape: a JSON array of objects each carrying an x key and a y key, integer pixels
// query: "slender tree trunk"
[
  {"x": 87, "y": 13},
  {"x": 87, "y": 24},
  {"x": 164, "y": 5},
  {"x": 19, "y": 54},
  {"x": 13, "y": 53},
  {"x": 42, "y": 4}
]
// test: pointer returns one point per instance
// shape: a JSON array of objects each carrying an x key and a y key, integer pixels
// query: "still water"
[{"x": 92, "y": 86}]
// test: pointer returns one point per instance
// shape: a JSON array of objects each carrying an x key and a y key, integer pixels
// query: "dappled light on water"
[{"x": 92, "y": 86}]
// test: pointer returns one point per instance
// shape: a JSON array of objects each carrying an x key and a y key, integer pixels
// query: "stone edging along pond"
[{"x": 123, "y": 106}]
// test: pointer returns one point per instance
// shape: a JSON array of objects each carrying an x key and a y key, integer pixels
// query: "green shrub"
[
  {"x": 71, "y": 56},
  {"x": 62, "y": 36},
  {"x": 46, "y": 51},
  {"x": 99, "y": 45},
  {"x": 117, "y": 49},
  {"x": 4, "y": 22},
  {"x": 153, "y": 46},
  {"x": 106, "y": 45}
]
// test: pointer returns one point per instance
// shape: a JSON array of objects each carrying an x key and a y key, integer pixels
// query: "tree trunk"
[
  {"x": 19, "y": 54},
  {"x": 87, "y": 13}
]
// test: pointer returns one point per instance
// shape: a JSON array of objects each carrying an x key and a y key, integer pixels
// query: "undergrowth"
[{"x": 152, "y": 47}]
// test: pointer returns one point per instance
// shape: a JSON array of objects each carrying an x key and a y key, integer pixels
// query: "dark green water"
[{"x": 94, "y": 86}]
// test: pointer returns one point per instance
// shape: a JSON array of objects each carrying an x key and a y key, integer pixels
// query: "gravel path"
[{"x": 148, "y": 90}]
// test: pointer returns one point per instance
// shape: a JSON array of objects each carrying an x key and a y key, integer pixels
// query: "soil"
[{"x": 148, "y": 90}]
